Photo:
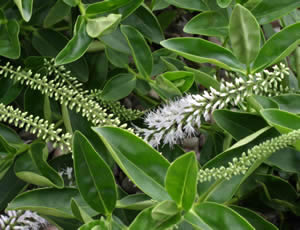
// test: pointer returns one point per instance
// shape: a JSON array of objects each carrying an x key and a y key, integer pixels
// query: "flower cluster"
[
  {"x": 242, "y": 164},
  {"x": 181, "y": 118},
  {"x": 65, "y": 94},
  {"x": 35, "y": 125},
  {"x": 23, "y": 220}
]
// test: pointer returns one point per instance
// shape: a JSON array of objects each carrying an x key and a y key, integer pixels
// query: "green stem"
[
  {"x": 205, "y": 196},
  {"x": 66, "y": 119},
  {"x": 81, "y": 8}
]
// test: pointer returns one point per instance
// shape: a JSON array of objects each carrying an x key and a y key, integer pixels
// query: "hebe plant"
[{"x": 99, "y": 112}]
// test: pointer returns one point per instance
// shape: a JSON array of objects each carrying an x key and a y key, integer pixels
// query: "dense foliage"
[{"x": 162, "y": 114}]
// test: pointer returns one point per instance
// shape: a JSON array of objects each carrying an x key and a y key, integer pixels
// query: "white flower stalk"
[
  {"x": 65, "y": 94},
  {"x": 22, "y": 220},
  {"x": 182, "y": 118},
  {"x": 242, "y": 164},
  {"x": 68, "y": 173},
  {"x": 35, "y": 125}
]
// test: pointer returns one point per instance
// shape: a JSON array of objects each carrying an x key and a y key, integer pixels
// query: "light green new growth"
[
  {"x": 35, "y": 125},
  {"x": 242, "y": 164},
  {"x": 64, "y": 94}
]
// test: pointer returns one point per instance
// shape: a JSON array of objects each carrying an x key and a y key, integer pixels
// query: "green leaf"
[
  {"x": 283, "y": 121},
  {"x": 164, "y": 210},
  {"x": 224, "y": 3},
  {"x": 116, "y": 58},
  {"x": 145, "y": 220},
  {"x": 118, "y": 87},
  {"x": 209, "y": 23},
  {"x": 135, "y": 202},
  {"x": 9, "y": 90},
  {"x": 165, "y": 88},
  {"x": 288, "y": 102},
  {"x": 139, "y": 161},
  {"x": 95, "y": 225},
  {"x": 72, "y": 2},
  {"x": 80, "y": 213},
  {"x": 204, "y": 79},
  {"x": 25, "y": 8},
  {"x": 183, "y": 80},
  {"x": 77, "y": 46},
  {"x": 253, "y": 218},
  {"x": 32, "y": 167},
  {"x": 244, "y": 33},
  {"x": 102, "y": 25},
  {"x": 267, "y": 11},
  {"x": 105, "y": 6},
  {"x": 128, "y": 9},
  {"x": 262, "y": 102},
  {"x": 197, "y": 5},
  {"x": 145, "y": 22},
  {"x": 93, "y": 176},
  {"x": 209, "y": 215},
  {"x": 238, "y": 124},
  {"x": 47, "y": 201},
  {"x": 57, "y": 13},
  {"x": 202, "y": 51},
  {"x": 9, "y": 38},
  {"x": 181, "y": 180},
  {"x": 278, "y": 47},
  {"x": 140, "y": 50}
]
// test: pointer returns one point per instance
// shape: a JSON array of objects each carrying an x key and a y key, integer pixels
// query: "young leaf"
[
  {"x": 25, "y": 8},
  {"x": 181, "y": 180},
  {"x": 105, "y": 6},
  {"x": 202, "y": 51},
  {"x": 140, "y": 50},
  {"x": 244, "y": 32},
  {"x": 77, "y": 46},
  {"x": 198, "y": 5},
  {"x": 183, "y": 80},
  {"x": 224, "y": 3},
  {"x": 72, "y": 2},
  {"x": 93, "y": 176},
  {"x": 278, "y": 47},
  {"x": 139, "y": 161}
]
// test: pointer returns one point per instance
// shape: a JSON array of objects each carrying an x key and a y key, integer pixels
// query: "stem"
[
  {"x": 81, "y": 8},
  {"x": 209, "y": 191}
]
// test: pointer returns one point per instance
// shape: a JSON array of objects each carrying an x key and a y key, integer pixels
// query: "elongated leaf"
[
  {"x": 224, "y": 3},
  {"x": 261, "y": 102},
  {"x": 9, "y": 38},
  {"x": 278, "y": 47},
  {"x": 80, "y": 213},
  {"x": 210, "y": 23},
  {"x": 165, "y": 88},
  {"x": 140, "y": 50},
  {"x": 181, "y": 180},
  {"x": 139, "y": 161},
  {"x": 288, "y": 102},
  {"x": 267, "y": 11},
  {"x": 197, "y": 5},
  {"x": 209, "y": 215},
  {"x": 71, "y": 2},
  {"x": 135, "y": 202},
  {"x": 47, "y": 201},
  {"x": 57, "y": 13},
  {"x": 200, "y": 50},
  {"x": 237, "y": 124},
  {"x": 105, "y": 6},
  {"x": 25, "y": 8},
  {"x": 102, "y": 25},
  {"x": 244, "y": 32},
  {"x": 93, "y": 176},
  {"x": 77, "y": 46},
  {"x": 183, "y": 80}
]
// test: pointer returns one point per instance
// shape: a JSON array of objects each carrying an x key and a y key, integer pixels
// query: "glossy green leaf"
[
  {"x": 209, "y": 215},
  {"x": 239, "y": 125},
  {"x": 105, "y": 6},
  {"x": 145, "y": 221},
  {"x": 278, "y": 47},
  {"x": 224, "y": 3},
  {"x": 139, "y": 161},
  {"x": 173, "y": 64},
  {"x": 164, "y": 210},
  {"x": 80, "y": 213},
  {"x": 165, "y": 88},
  {"x": 9, "y": 38},
  {"x": 202, "y": 51},
  {"x": 267, "y": 11},
  {"x": 288, "y": 102},
  {"x": 77, "y": 46},
  {"x": 253, "y": 218},
  {"x": 140, "y": 50},
  {"x": 102, "y": 25},
  {"x": 93, "y": 176},
  {"x": 262, "y": 102},
  {"x": 57, "y": 13},
  {"x": 95, "y": 225},
  {"x": 116, "y": 58},
  {"x": 244, "y": 33},
  {"x": 47, "y": 201},
  {"x": 204, "y": 79},
  {"x": 135, "y": 202},
  {"x": 71, "y": 2},
  {"x": 283, "y": 121},
  {"x": 145, "y": 22},
  {"x": 25, "y": 8},
  {"x": 198, "y": 5},
  {"x": 183, "y": 80},
  {"x": 128, "y": 9},
  {"x": 118, "y": 87},
  {"x": 181, "y": 180},
  {"x": 9, "y": 90},
  {"x": 209, "y": 23},
  {"x": 32, "y": 167}
]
